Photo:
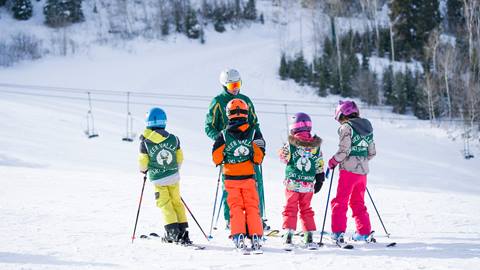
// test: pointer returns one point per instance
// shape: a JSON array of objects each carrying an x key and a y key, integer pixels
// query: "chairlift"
[
  {"x": 90, "y": 131},
  {"x": 466, "y": 145},
  {"x": 129, "y": 135}
]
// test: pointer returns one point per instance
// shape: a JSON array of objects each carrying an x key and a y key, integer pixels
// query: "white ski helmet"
[{"x": 228, "y": 76}]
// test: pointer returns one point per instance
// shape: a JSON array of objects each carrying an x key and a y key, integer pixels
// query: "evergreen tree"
[
  {"x": 413, "y": 22},
  {"x": 192, "y": 28},
  {"x": 219, "y": 18},
  {"x": 324, "y": 78},
  {"x": 56, "y": 13},
  {"x": 250, "y": 11},
  {"x": 372, "y": 92},
  {"x": 299, "y": 69},
  {"x": 165, "y": 26},
  {"x": 410, "y": 88},
  {"x": 262, "y": 19},
  {"x": 2, "y": 2},
  {"x": 76, "y": 12},
  {"x": 387, "y": 85},
  {"x": 400, "y": 93},
  {"x": 62, "y": 12},
  {"x": 330, "y": 68},
  {"x": 22, "y": 9},
  {"x": 455, "y": 15},
  {"x": 419, "y": 105},
  {"x": 283, "y": 71},
  {"x": 178, "y": 12},
  {"x": 350, "y": 67}
]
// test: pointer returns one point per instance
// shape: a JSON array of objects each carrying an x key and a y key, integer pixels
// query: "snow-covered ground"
[{"x": 68, "y": 202}]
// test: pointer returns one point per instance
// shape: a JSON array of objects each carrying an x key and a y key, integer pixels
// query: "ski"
[
  {"x": 288, "y": 247},
  {"x": 344, "y": 245},
  {"x": 372, "y": 239},
  {"x": 156, "y": 236},
  {"x": 338, "y": 243},
  {"x": 273, "y": 233}
]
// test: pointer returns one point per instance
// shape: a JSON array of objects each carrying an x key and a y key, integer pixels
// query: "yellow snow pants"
[{"x": 169, "y": 200}]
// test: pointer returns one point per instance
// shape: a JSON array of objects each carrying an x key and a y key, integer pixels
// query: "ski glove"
[
  {"x": 332, "y": 163},
  {"x": 319, "y": 179}
]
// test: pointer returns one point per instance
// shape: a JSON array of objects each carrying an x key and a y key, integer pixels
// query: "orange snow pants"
[{"x": 243, "y": 202}]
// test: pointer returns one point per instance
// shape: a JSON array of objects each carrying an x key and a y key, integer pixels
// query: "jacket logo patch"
[
  {"x": 164, "y": 157},
  {"x": 241, "y": 151},
  {"x": 303, "y": 163}
]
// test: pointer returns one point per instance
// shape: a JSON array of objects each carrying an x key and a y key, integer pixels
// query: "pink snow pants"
[
  {"x": 351, "y": 190},
  {"x": 296, "y": 201}
]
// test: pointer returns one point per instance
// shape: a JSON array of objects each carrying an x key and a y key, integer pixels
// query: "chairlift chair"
[
  {"x": 90, "y": 131},
  {"x": 129, "y": 135}
]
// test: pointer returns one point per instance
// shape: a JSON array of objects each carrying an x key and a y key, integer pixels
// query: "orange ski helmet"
[{"x": 237, "y": 108}]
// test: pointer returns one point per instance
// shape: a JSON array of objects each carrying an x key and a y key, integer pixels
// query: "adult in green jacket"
[{"x": 217, "y": 120}]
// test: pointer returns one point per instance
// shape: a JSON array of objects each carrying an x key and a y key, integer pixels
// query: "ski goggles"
[
  {"x": 301, "y": 125},
  {"x": 234, "y": 85}
]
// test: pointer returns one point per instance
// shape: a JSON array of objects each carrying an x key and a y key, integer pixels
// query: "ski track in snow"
[{"x": 67, "y": 202}]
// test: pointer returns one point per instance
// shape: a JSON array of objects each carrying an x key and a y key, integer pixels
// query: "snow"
[{"x": 68, "y": 202}]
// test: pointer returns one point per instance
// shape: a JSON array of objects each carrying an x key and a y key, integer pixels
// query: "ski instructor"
[{"x": 217, "y": 120}]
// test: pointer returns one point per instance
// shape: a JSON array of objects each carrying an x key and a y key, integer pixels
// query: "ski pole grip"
[{"x": 327, "y": 173}]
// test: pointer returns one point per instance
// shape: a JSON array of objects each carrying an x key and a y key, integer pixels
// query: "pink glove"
[{"x": 332, "y": 163}]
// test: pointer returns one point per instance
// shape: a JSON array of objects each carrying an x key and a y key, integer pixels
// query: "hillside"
[{"x": 68, "y": 202}]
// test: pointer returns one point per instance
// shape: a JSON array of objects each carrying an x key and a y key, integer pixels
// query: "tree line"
[
  {"x": 161, "y": 17},
  {"x": 445, "y": 85}
]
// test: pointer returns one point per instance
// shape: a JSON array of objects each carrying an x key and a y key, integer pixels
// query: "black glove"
[{"x": 319, "y": 179}]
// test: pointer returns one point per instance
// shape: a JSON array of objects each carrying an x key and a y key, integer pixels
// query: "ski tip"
[
  {"x": 348, "y": 247},
  {"x": 392, "y": 244}
]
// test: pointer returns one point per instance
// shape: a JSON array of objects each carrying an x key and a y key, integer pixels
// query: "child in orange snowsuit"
[{"x": 239, "y": 147}]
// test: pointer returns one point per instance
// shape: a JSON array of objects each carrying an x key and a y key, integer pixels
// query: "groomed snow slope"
[{"x": 68, "y": 202}]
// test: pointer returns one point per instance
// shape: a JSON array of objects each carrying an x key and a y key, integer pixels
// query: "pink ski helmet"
[
  {"x": 300, "y": 122},
  {"x": 345, "y": 108}
]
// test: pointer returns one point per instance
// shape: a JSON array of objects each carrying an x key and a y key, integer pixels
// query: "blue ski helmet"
[{"x": 156, "y": 118}]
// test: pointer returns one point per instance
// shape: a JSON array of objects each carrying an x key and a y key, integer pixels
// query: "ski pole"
[
  {"x": 219, "y": 210},
  {"x": 139, "y": 204},
  {"x": 215, "y": 202},
  {"x": 186, "y": 206},
  {"x": 326, "y": 206},
  {"x": 378, "y": 214}
]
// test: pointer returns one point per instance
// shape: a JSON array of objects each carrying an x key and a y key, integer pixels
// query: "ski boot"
[
  {"x": 288, "y": 243},
  {"x": 171, "y": 233},
  {"x": 308, "y": 240},
  {"x": 256, "y": 244},
  {"x": 184, "y": 240},
  {"x": 239, "y": 242},
  {"x": 338, "y": 237},
  {"x": 359, "y": 237},
  {"x": 364, "y": 237}
]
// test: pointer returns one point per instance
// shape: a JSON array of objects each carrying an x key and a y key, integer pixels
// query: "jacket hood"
[
  {"x": 361, "y": 125},
  {"x": 317, "y": 141},
  {"x": 155, "y": 135}
]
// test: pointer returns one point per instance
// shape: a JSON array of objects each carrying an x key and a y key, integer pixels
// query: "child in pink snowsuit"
[
  {"x": 356, "y": 148},
  {"x": 303, "y": 176}
]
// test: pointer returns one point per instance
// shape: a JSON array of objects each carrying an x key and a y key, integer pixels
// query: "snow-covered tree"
[
  {"x": 22, "y": 9},
  {"x": 59, "y": 13},
  {"x": 250, "y": 11}
]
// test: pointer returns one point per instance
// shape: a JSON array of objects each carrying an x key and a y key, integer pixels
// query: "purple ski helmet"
[
  {"x": 300, "y": 122},
  {"x": 345, "y": 108}
]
